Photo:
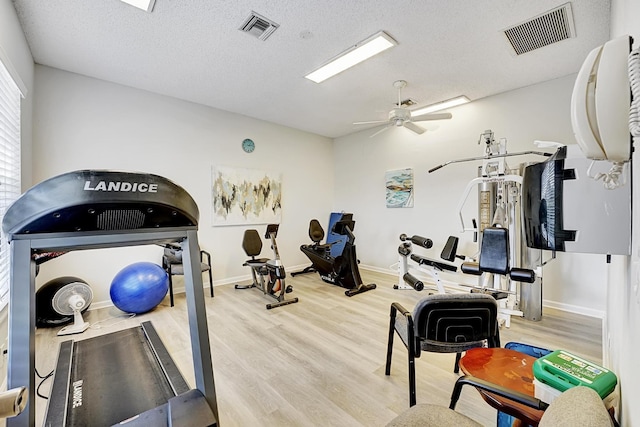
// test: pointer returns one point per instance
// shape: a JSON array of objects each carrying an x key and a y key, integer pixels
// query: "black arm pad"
[
  {"x": 450, "y": 248},
  {"x": 471, "y": 268},
  {"x": 413, "y": 281},
  {"x": 522, "y": 275}
]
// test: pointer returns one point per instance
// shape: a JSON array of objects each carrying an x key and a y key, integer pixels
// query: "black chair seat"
[
  {"x": 440, "y": 347},
  {"x": 172, "y": 264},
  {"x": 178, "y": 269}
]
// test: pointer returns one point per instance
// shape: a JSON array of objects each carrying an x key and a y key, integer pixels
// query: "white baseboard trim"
[
  {"x": 378, "y": 269},
  {"x": 576, "y": 309}
]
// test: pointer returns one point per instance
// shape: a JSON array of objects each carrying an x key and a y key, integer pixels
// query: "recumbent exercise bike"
[
  {"x": 261, "y": 268},
  {"x": 341, "y": 270}
]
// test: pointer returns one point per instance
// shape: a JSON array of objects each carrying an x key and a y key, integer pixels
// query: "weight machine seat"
[
  {"x": 494, "y": 251},
  {"x": 494, "y": 257}
]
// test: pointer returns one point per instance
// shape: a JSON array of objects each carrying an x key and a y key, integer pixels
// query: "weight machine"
[{"x": 499, "y": 204}]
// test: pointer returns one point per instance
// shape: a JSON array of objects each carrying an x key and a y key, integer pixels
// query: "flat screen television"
[
  {"x": 565, "y": 209},
  {"x": 542, "y": 198}
]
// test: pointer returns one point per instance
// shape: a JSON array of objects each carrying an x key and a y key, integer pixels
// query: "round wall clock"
[{"x": 248, "y": 145}]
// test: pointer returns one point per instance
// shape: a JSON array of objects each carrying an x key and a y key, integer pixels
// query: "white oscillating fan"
[{"x": 72, "y": 299}]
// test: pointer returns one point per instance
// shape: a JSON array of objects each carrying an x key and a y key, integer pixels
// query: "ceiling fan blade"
[
  {"x": 370, "y": 122},
  {"x": 431, "y": 116},
  {"x": 382, "y": 130},
  {"x": 414, "y": 127}
]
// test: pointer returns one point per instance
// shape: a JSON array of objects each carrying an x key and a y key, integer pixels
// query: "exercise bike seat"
[
  {"x": 316, "y": 234},
  {"x": 255, "y": 262},
  {"x": 252, "y": 245}
]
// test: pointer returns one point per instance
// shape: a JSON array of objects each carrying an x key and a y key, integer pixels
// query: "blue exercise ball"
[{"x": 139, "y": 287}]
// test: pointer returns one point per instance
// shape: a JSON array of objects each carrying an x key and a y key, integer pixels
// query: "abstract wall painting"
[
  {"x": 399, "y": 193},
  {"x": 245, "y": 196}
]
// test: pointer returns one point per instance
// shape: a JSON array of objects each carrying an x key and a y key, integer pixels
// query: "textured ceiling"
[{"x": 193, "y": 50}]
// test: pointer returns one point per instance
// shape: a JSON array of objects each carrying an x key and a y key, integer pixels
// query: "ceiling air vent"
[
  {"x": 550, "y": 27},
  {"x": 258, "y": 26}
]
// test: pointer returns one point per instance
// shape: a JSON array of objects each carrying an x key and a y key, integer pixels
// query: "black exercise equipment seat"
[
  {"x": 252, "y": 245},
  {"x": 494, "y": 257},
  {"x": 316, "y": 234}
]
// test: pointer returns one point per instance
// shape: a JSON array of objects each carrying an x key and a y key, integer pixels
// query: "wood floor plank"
[{"x": 319, "y": 361}]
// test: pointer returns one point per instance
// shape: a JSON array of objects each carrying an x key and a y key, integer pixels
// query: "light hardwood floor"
[{"x": 320, "y": 361}]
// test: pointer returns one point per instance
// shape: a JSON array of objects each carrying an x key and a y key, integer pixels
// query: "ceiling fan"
[{"x": 401, "y": 115}]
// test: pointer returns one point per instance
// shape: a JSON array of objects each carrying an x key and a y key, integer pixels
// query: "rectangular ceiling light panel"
[
  {"x": 360, "y": 52},
  {"x": 441, "y": 105},
  {"x": 146, "y": 5}
]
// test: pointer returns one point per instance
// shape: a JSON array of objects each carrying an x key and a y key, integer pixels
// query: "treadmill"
[{"x": 126, "y": 377}]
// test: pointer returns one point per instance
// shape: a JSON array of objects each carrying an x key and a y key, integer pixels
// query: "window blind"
[{"x": 9, "y": 166}]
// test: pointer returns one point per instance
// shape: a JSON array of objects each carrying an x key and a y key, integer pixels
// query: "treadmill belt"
[{"x": 119, "y": 377}]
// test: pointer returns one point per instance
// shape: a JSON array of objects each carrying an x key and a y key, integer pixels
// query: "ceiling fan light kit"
[
  {"x": 401, "y": 116},
  {"x": 146, "y": 5},
  {"x": 449, "y": 103},
  {"x": 362, "y": 51}
]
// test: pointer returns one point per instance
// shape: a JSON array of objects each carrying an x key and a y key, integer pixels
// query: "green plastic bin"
[{"x": 563, "y": 370}]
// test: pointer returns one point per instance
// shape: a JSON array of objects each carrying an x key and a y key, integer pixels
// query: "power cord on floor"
[
  {"x": 44, "y": 378},
  {"x": 97, "y": 325}
]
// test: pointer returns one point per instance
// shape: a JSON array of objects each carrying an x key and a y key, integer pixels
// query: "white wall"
[
  {"x": 84, "y": 123},
  {"x": 539, "y": 112},
  {"x": 622, "y": 326}
]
